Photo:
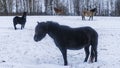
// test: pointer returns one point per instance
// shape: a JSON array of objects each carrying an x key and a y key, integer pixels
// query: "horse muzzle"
[{"x": 36, "y": 39}]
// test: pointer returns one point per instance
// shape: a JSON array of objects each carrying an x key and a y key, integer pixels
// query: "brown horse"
[
  {"x": 89, "y": 13},
  {"x": 58, "y": 11}
]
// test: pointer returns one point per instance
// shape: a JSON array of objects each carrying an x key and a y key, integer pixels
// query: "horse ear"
[{"x": 38, "y": 22}]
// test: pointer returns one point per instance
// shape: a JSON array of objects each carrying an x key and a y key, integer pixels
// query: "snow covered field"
[{"x": 19, "y": 50}]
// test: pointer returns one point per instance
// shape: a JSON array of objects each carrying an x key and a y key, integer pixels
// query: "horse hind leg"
[
  {"x": 15, "y": 26},
  {"x": 91, "y": 16},
  {"x": 92, "y": 55},
  {"x": 94, "y": 51}
]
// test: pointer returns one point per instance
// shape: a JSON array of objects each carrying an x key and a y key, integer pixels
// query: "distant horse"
[
  {"x": 58, "y": 11},
  {"x": 19, "y": 20},
  {"x": 89, "y": 13},
  {"x": 69, "y": 38}
]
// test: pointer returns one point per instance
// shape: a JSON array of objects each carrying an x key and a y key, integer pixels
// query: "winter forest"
[{"x": 70, "y": 7}]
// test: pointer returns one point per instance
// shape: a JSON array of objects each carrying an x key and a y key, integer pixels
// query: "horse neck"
[
  {"x": 52, "y": 30},
  {"x": 24, "y": 16},
  {"x": 93, "y": 10}
]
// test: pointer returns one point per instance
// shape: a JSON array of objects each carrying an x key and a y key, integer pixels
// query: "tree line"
[{"x": 70, "y": 7}]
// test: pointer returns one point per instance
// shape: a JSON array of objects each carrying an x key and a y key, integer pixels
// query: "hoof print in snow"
[{"x": 3, "y": 61}]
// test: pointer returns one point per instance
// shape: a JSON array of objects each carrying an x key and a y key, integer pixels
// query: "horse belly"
[
  {"x": 78, "y": 42},
  {"x": 86, "y": 14},
  {"x": 76, "y": 46}
]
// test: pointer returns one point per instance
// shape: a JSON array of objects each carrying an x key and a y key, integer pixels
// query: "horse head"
[
  {"x": 24, "y": 14},
  {"x": 40, "y": 31}
]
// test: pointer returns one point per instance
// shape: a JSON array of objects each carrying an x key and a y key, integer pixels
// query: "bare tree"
[
  {"x": 77, "y": 7},
  {"x": 117, "y": 7},
  {"x": 5, "y": 6},
  {"x": 48, "y": 7}
]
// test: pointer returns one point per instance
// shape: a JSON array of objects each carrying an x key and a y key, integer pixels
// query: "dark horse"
[
  {"x": 19, "y": 20},
  {"x": 69, "y": 38},
  {"x": 89, "y": 13}
]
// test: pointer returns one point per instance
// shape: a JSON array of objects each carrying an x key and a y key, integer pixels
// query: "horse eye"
[{"x": 39, "y": 31}]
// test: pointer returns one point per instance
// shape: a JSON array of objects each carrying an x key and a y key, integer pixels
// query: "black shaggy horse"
[
  {"x": 69, "y": 38},
  {"x": 19, "y": 20},
  {"x": 89, "y": 13}
]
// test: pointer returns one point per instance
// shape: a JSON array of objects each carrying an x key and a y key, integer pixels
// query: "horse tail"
[
  {"x": 15, "y": 21},
  {"x": 94, "y": 43}
]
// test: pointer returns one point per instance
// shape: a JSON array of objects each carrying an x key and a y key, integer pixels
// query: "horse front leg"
[
  {"x": 64, "y": 54},
  {"x": 92, "y": 17},
  {"x": 15, "y": 26},
  {"x": 22, "y": 26},
  {"x": 83, "y": 17}
]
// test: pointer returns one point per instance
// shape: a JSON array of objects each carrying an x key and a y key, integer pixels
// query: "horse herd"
[
  {"x": 89, "y": 13},
  {"x": 66, "y": 37}
]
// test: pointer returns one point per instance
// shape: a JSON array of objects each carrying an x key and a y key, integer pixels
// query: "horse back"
[
  {"x": 88, "y": 31},
  {"x": 84, "y": 36},
  {"x": 75, "y": 38},
  {"x": 81, "y": 31},
  {"x": 87, "y": 13}
]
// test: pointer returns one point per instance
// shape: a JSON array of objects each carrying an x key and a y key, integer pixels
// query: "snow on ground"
[{"x": 19, "y": 50}]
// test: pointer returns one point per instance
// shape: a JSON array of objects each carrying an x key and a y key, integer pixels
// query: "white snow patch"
[{"x": 19, "y": 50}]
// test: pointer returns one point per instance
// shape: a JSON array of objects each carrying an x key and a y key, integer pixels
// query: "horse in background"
[
  {"x": 66, "y": 37},
  {"x": 20, "y": 20},
  {"x": 58, "y": 11},
  {"x": 89, "y": 13}
]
